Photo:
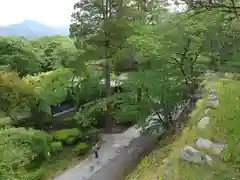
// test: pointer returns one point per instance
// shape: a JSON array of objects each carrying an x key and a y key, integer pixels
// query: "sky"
[{"x": 49, "y": 12}]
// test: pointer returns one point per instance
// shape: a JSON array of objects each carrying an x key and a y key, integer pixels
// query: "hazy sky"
[{"x": 50, "y": 12}]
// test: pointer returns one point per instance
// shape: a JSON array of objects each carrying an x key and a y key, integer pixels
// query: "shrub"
[
  {"x": 68, "y": 135},
  {"x": 81, "y": 149},
  {"x": 5, "y": 122},
  {"x": 21, "y": 150},
  {"x": 91, "y": 134},
  {"x": 71, "y": 141},
  {"x": 56, "y": 147}
]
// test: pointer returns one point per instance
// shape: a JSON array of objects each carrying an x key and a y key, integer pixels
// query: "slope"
[{"x": 167, "y": 162}]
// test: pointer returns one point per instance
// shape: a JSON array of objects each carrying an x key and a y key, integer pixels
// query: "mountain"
[{"x": 31, "y": 29}]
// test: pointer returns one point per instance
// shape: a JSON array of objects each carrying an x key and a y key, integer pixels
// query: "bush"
[
  {"x": 92, "y": 134},
  {"x": 68, "y": 135},
  {"x": 71, "y": 141},
  {"x": 56, "y": 147},
  {"x": 81, "y": 149},
  {"x": 5, "y": 122},
  {"x": 21, "y": 150}
]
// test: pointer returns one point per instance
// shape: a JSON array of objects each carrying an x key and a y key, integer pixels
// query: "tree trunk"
[
  {"x": 139, "y": 94},
  {"x": 109, "y": 123}
]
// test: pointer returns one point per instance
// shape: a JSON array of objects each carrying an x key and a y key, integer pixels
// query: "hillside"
[
  {"x": 32, "y": 29},
  {"x": 211, "y": 132}
]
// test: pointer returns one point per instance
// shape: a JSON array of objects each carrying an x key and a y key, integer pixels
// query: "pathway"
[
  {"x": 119, "y": 153},
  {"x": 113, "y": 143}
]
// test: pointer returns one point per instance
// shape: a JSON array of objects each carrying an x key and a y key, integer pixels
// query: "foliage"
[
  {"x": 56, "y": 51},
  {"x": 18, "y": 55},
  {"x": 34, "y": 56},
  {"x": 126, "y": 109},
  {"x": 222, "y": 128},
  {"x": 81, "y": 149},
  {"x": 164, "y": 54},
  {"x": 5, "y": 122},
  {"x": 88, "y": 89},
  {"x": 21, "y": 150},
  {"x": 16, "y": 95},
  {"x": 56, "y": 147},
  {"x": 67, "y": 136}
]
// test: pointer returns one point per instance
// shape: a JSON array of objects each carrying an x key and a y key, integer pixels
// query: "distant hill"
[{"x": 31, "y": 29}]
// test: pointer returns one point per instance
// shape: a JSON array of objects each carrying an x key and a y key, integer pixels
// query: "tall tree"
[{"x": 101, "y": 29}]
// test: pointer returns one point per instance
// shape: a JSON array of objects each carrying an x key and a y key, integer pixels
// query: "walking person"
[{"x": 95, "y": 150}]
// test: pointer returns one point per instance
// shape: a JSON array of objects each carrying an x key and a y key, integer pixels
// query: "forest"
[{"x": 122, "y": 61}]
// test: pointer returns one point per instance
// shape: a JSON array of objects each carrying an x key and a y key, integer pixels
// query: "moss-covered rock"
[
  {"x": 67, "y": 136},
  {"x": 81, "y": 149}
]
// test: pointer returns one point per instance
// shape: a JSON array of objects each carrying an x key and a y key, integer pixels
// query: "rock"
[
  {"x": 213, "y": 104},
  {"x": 165, "y": 161},
  {"x": 212, "y": 91},
  {"x": 203, "y": 143},
  {"x": 206, "y": 111},
  {"x": 191, "y": 154},
  {"x": 202, "y": 124},
  {"x": 216, "y": 148},
  {"x": 208, "y": 160},
  {"x": 212, "y": 97}
]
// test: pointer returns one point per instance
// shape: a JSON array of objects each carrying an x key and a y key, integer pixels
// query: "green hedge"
[
  {"x": 81, "y": 149},
  {"x": 68, "y": 136},
  {"x": 56, "y": 147}
]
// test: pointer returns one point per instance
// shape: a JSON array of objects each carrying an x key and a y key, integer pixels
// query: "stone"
[
  {"x": 208, "y": 160},
  {"x": 212, "y": 91},
  {"x": 202, "y": 124},
  {"x": 216, "y": 148},
  {"x": 203, "y": 143},
  {"x": 192, "y": 155},
  {"x": 213, "y": 104},
  {"x": 212, "y": 97},
  {"x": 165, "y": 161},
  {"x": 206, "y": 111}
]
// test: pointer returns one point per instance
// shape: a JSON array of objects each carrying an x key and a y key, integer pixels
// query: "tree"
[
  {"x": 170, "y": 55},
  {"x": 101, "y": 28},
  {"x": 16, "y": 95},
  {"x": 18, "y": 55}
]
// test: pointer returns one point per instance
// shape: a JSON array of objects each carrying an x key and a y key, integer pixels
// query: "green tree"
[
  {"x": 16, "y": 95},
  {"x": 100, "y": 28},
  {"x": 18, "y": 55}
]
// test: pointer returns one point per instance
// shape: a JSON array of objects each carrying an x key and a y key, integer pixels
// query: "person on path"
[{"x": 95, "y": 150}]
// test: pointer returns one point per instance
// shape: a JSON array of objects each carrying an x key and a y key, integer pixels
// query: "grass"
[
  {"x": 2, "y": 114},
  {"x": 224, "y": 127}
]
